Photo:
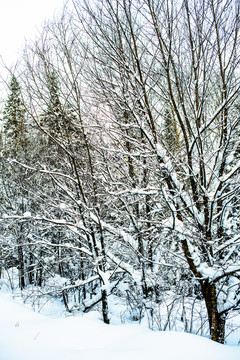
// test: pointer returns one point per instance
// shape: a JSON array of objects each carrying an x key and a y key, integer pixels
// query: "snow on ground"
[{"x": 26, "y": 335}]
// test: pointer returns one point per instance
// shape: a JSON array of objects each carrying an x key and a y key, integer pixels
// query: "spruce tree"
[
  {"x": 59, "y": 118},
  {"x": 14, "y": 181},
  {"x": 171, "y": 136},
  {"x": 53, "y": 117},
  {"x": 14, "y": 134}
]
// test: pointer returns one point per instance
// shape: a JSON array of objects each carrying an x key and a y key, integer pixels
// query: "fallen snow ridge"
[{"x": 26, "y": 335}]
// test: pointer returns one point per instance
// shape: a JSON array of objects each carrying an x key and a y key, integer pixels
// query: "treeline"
[{"x": 120, "y": 158}]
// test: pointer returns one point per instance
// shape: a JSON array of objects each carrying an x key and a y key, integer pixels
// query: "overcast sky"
[{"x": 19, "y": 20}]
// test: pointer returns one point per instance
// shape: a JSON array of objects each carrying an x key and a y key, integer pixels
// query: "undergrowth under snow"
[{"x": 50, "y": 335}]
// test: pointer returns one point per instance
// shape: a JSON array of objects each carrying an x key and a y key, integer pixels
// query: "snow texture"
[{"x": 26, "y": 335}]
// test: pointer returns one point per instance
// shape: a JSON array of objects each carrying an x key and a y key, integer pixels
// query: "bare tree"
[
  {"x": 155, "y": 60},
  {"x": 134, "y": 109}
]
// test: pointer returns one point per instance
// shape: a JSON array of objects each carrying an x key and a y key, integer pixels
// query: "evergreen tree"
[
  {"x": 14, "y": 134},
  {"x": 14, "y": 182},
  {"x": 171, "y": 136},
  {"x": 54, "y": 118}
]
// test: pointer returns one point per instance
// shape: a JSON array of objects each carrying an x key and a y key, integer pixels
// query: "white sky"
[{"x": 19, "y": 20}]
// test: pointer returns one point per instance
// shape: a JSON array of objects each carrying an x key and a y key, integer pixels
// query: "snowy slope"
[{"x": 26, "y": 335}]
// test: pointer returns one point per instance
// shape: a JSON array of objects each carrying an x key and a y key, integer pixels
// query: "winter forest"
[{"x": 120, "y": 164}]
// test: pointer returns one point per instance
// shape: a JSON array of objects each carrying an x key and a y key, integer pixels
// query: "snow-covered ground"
[{"x": 27, "y": 335}]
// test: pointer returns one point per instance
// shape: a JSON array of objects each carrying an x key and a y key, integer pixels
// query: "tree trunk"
[
  {"x": 105, "y": 307},
  {"x": 21, "y": 269},
  {"x": 39, "y": 271},
  {"x": 216, "y": 320}
]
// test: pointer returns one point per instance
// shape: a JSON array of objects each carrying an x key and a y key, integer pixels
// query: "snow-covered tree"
[
  {"x": 14, "y": 130},
  {"x": 180, "y": 59},
  {"x": 137, "y": 164}
]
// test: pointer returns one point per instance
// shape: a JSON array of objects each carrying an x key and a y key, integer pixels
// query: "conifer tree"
[
  {"x": 14, "y": 135},
  {"x": 171, "y": 133},
  {"x": 13, "y": 181},
  {"x": 53, "y": 117}
]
